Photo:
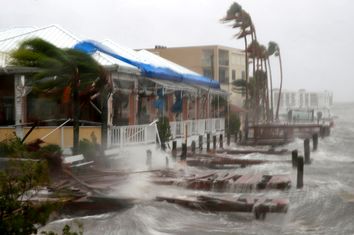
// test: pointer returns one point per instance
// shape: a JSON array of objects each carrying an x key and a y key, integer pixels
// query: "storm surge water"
[{"x": 324, "y": 206}]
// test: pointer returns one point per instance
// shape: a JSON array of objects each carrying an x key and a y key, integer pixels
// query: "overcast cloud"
[{"x": 316, "y": 37}]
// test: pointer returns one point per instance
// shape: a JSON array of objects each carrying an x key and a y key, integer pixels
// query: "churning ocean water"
[{"x": 324, "y": 206}]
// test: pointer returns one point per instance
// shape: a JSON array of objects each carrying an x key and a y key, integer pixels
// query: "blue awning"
[{"x": 148, "y": 70}]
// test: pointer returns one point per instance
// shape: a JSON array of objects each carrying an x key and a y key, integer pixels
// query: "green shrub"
[
  {"x": 234, "y": 124},
  {"x": 164, "y": 129},
  {"x": 89, "y": 149},
  {"x": 22, "y": 216},
  {"x": 12, "y": 148}
]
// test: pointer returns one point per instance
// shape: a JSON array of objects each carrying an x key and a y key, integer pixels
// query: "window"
[
  {"x": 223, "y": 58},
  {"x": 223, "y": 75},
  {"x": 243, "y": 75},
  {"x": 208, "y": 72},
  {"x": 208, "y": 58},
  {"x": 233, "y": 75}
]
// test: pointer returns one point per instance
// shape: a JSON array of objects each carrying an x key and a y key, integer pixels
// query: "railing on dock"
[
  {"x": 132, "y": 135},
  {"x": 197, "y": 127},
  {"x": 121, "y": 136}
]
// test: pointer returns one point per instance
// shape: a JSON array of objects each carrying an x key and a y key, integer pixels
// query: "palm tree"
[
  {"x": 62, "y": 71},
  {"x": 270, "y": 52},
  {"x": 241, "y": 20},
  {"x": 273, "y": 48}
]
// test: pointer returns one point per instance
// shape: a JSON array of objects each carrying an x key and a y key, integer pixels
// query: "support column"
[
  {"x": 169, "y": 105},
  {"x": 132, "y": 108},
  {"x": 19, "y": 110},
  {"x": 185, "y": 108},
  {"x": 197, "y": 108}
]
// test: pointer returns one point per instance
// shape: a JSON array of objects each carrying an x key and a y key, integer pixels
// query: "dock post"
[
  {"x": 174, "y": 148},
  {"x": 315, "y": 141},
  {"x": 300, "y": 172},
  {"x": 167, "y": 162},
  {"x": 236, "y": 137},
  {"x": 294, "y": 154},
  {"x": 200, "y": 142},
  {"x": 228, "y": 138},
  {"x": 208, "y": 142},
  {"x": 184, "y": 152},
  {"x": 193, "y": 147},
  {"x": 148, "y": 158},
  {"x": 307, "y": 151},
  {"x": 322, "y": 132},
  {"x": 214, "y": 142},
  {"x": 221, "y": 140}
]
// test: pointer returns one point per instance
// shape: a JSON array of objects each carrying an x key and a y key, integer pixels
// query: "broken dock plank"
[{"x": 259, "y": 206}]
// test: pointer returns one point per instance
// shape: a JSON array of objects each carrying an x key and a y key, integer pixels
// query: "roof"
[
  {"x": 152, "y": 67},
  {"x": 159, "y": 61},
  {"x": 11, "y": 39}
]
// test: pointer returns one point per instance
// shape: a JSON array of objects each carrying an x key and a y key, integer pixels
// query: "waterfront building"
[
  {"x": 303, "y": 100},
  {"x": 221, "y": 63},
  {"x": 146, "y": 87}
]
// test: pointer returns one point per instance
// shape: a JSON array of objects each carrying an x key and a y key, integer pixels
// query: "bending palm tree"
[
  {"x": 273, "y": 47},
  {"x": 61, "y": 71}
]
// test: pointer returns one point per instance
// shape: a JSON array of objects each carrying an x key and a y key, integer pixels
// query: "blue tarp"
[{"x": 148, "y": 70}]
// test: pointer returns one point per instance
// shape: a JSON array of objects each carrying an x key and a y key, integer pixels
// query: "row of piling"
[
  {"x": 299, "y": 161},
  {"x": 200, "y": 145}
]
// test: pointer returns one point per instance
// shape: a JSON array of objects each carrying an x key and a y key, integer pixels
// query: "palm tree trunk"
[
  {"x": 267, "y": 90},
  {"x": 76, "y": 111},
  {"x": 246, "y": 63},
  {"x": 255, "y": 118},
  {"x": 280, "y": 87},
  {"x": 271, "y": 91}
]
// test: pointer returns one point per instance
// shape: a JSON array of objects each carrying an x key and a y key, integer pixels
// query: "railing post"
[
  {"x": 121, "y": 136},
  {"x": 221, "y": 141},
  {"x": 315, "y": 141},
  {"x": 200, "y": 142},
  {"x": 294, "y": 158},
  {"x": 307, "y": 151},
  {"x": 214, "y": 142},
  {"x": 208, "y": 142},
  {"x": 300, "y": 172},
  {"x": 184, "y": 152},
  {"x": 174, "y": 148},
  {"x": 193, "y": 147}
]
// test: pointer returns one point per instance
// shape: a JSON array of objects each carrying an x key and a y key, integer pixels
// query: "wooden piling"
[
  {"x": 200, "y": 142},
  {"x": 236, "y": 137},
  {"x": 214, "y": 142},
  {"x": 184, "y": 152},
  {"x": 208, "y": 142},
  {"x": 193, "y": 147},
  {"x": 300, "y": 172},
  {"x": 221, "y": 141},
  {"x": 315, "y": 141},
  {"x": 174, "y": 148},
  {"x": 307, "y": 151},
  {"x": 294, "y": 155},
  {"x": 148, "y": 158}
]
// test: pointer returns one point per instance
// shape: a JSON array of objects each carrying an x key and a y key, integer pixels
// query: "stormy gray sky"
[{"x": 316, "y": 37}]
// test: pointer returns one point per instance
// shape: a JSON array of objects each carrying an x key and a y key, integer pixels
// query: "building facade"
[
  {"x": 302, "y": 99},
  {"x": 223, "y": 64}
]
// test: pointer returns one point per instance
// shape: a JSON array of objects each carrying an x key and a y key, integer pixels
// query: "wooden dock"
[
  {"x": 259, "y": 206},
  {"x": 228, "y": 182}
]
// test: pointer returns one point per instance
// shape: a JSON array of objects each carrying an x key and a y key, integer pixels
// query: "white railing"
[
  {"x": 197, "y": 127},
  {"x": 121, "y": 136},
  {"x": 132, "y": 135}
]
